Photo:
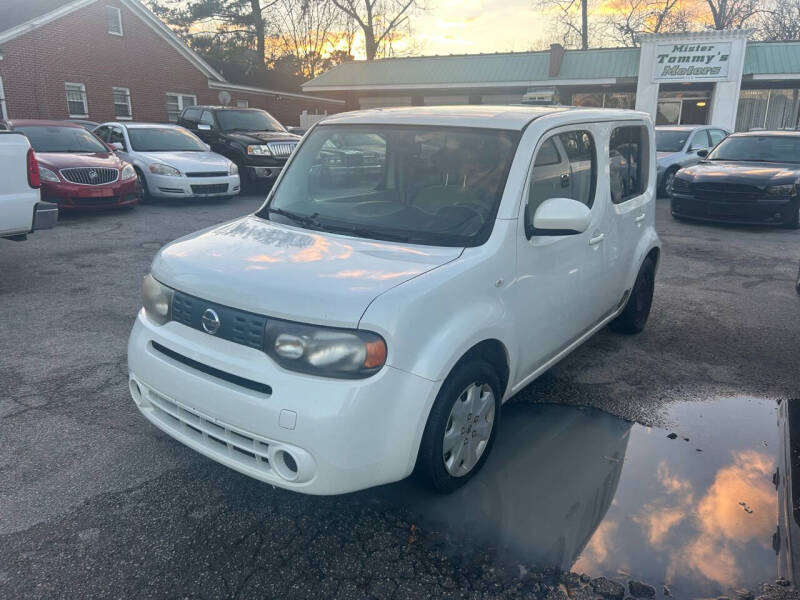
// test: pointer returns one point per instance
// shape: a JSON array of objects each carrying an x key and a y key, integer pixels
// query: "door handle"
[
  {"x": 597, "y": 239},
  {"x": 640, "y": 218},
  {"x": 565, "y": 180}
]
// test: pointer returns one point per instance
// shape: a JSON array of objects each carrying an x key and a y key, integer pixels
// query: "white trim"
[
  {"x": 722, "y": 34},
  {"x": 121, "y": 32},
  {"x": 10, "y": 34},
  {"x": 85, "y": 98},
  {"x": 463, "y": 85},
  {"x": 3, "y": 104},
  {"x": 220, "y": 85},
  {"x": 127, "y": 92},
  {"x": 774, "y": 77}
]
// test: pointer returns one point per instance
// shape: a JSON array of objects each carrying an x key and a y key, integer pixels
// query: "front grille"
[
  {"x": 217, "y": 188},
  {"x": 282, "y": 149},
  {"x": 681, "y": 186},
  {"x": 237, "y": 326},
  {"x": 90, "y": 175},
  {"x": 216, "y": 436},
  {"x": 729, "y": 192},
  {"x": 207, "y": 174}
]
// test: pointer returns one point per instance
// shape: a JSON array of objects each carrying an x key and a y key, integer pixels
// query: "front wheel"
[
  {"x": 634, "y": 317},
  {"x": 141, "y": 186},
  {"x": 461, "y": 427},
  {"x": 667, "y": 182},
  {"x": 793, "y": 219}
]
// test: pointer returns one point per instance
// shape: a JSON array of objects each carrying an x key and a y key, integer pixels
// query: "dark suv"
[{"x": 250, "y": 137}]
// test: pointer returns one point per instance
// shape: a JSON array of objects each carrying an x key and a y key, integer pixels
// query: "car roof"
[
  {"x": 767, "y": 132},
  {"x": 137, "y": 124},
  {"x": 43, "y": 123},
  {"x": 680, "y": 127},
  {"x": 513, "y": 117},
  {"x": 212, "y": 107}
]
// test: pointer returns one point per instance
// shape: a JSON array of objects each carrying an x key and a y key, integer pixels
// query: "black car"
[
  {"x": 250, "y": 137},
  {"x": 749, "y": 178}
]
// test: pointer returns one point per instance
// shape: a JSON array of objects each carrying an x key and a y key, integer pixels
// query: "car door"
[
  {"x": 550, "y": 298},
  {"x": 697, "y": 142}
]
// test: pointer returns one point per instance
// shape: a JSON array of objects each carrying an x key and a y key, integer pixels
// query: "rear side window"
[
  {"x": 192, "y": 114},
  {"x": 717, "y": 135},
  {"x": 628, "y": 155}
]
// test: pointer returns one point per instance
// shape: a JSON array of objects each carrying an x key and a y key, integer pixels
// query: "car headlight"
[
  {"x": 233, "y": 169},
  {"x": 157, "y": 300},
  {"x": 46, "y": 174},
  {"x": 128, "y": 172},
  {"x": 324, "y": 351},
  {"x": 162, "y": 169},
  {"x": 259, "y": 149},
  {"x": 790, "y": 189}
]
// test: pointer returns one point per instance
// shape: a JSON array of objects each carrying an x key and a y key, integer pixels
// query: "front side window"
[
  {"x": 122, "y": 103},
  {"x": 759, "y": 148},
  {"x": 668, "y": 140},
  {"x": 47, "y": 138},
  {"x": 176, "y": 103},
  {"x": 565, "y": 167},
  {"x": 627, "y": 159},
  {"x": 76, "y": 100},
  {"x": 429, "y": 185},
  {"x": 164, "y": 139},
  {"x": 207, "y": 118},
  {"x": 248, "y": 120},
  {"x": 116, "y": 137},
  {"x": 114, "y": 20},
  {"x": 699, "y": 140}
]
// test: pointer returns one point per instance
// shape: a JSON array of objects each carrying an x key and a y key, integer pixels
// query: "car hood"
[
  {"x": 291, "y": 273},
  {"x": 188, "y": 161},
  {"x": 757, "y": 174},
  {"x": 65, "y": 160},
  {"x": 260, "y": 137}
]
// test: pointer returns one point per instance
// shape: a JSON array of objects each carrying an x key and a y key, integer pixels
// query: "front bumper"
[
  {"x": 264, "y": 173},
  {"x": 165, "y": 186},
  {"x": 754, "y": 212},
  {"x": 75, "y": 196},
  {"x": 340, "y": 435}
]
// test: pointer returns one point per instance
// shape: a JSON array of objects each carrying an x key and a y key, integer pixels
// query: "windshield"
[
  {"x": 761, "y": 148},
  {"x": 51, "y": 138},
  {"x": 671, "y": 141},
  {"x": 248, "y": 120},
  {"x": 164, "y": 139},
  {"x": 428, "y": 185}
]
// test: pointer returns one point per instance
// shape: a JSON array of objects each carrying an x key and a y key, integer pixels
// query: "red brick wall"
[{"x": 77, "y": 48}]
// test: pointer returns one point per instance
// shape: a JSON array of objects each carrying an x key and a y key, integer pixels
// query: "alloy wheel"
[{"x": 469, "y": 428}]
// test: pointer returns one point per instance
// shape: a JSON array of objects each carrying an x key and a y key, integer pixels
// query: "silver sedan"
[{"x": 677, "y": 146}]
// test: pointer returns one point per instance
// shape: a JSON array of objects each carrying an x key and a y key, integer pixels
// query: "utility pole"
[{"x": 585, "y": 24}]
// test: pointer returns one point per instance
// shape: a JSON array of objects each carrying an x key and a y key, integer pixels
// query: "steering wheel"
[{"x": 377, "y": 208}]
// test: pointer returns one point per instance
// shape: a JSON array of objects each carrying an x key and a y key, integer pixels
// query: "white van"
[{"x": 411, "y": 270}]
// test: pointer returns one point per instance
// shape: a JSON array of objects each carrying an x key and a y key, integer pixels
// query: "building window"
[
  {"x": 176, "y": 103},
  {"x": 114, "y": 20},
  {"x": 3, "y": 107},
  {"x": 122, "y": 103},
  {"x": 768, "y": 109},
  {"x": 605, "y": 100},
  {"x": 242, "y": 103},
  {"x": 76, "y": 100}
]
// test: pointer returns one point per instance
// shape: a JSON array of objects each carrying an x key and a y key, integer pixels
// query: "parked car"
[
  {"x": 76, "y": 169},
  {"x": 21, "y": 212},
  {"x": 349, "y": 157},
  {"x": 250, "y": 137},
  {"x": 87, "y": 125},
  {"x": 170, "y": 161},
  {"x": 749, "y": 178},
  {"x": 677, "y": 146},
  {"x": 339, "y": 338}
]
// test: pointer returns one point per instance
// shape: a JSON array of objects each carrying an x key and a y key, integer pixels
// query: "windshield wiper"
[
  {"x": 365, "y": 232},
  {"x": 304, "y": 220}
]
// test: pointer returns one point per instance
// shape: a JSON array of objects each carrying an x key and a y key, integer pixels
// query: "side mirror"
[
  {"x": 561, "y": 216},
  {"x": 203, "y": 127},
  {"x": 117, "y": 146},
  {"x": 702, "y": 153}
]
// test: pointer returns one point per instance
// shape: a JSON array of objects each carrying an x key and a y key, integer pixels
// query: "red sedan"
[{"x": 77, "y": 170}]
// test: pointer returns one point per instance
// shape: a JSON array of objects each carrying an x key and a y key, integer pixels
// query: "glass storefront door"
[{"x": 683, "y": 108}]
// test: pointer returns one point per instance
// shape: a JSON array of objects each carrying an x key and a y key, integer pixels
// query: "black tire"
[
  {"x": 141, "y": 186},
  {"x": 430, "y": 468},
  {"x": 663, "y": 192},
  {"x": 793, "y": 218},
  {"x": 245, "y": 183},
  {"x": 797, "y": 283},
  {"x": 634, "y": 316}
]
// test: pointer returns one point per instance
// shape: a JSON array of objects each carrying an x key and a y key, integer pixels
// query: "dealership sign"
[{"x": 692, "y": 62}]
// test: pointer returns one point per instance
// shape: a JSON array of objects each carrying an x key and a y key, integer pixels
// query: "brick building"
[{"x": 114, "y": 59}]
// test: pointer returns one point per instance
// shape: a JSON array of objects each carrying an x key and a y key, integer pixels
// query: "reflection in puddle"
[{"x": 581, "y": 490}]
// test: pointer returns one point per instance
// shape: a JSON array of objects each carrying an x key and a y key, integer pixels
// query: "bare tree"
[
  {"x": 305, "y": 30},
  {"x": 379, "y": 20},
  {"x": 635, "y": 17},
  {"x": 573, "y": 28},
  {"x": 733, "y": 14},
  {"x": 780, "y": 21}
]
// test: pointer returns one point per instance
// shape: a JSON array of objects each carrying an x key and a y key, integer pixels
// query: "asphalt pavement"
[{"x": 95, "y": 502}]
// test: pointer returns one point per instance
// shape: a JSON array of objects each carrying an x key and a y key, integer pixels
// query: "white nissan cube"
[{"x": 411, "y": 270}]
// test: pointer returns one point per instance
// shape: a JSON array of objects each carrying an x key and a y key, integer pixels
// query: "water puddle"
[{"x": 694, "y": 507}]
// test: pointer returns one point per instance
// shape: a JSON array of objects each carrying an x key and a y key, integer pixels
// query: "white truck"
[{"x": 21, "y": 211}]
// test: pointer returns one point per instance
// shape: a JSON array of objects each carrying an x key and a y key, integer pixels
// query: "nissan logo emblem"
[{"x": 210, "y": 321}]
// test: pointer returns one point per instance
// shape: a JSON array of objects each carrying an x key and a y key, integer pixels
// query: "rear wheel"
[
  {"x": 461, "y": 427},
  {"x": 634, "y": 317}
]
